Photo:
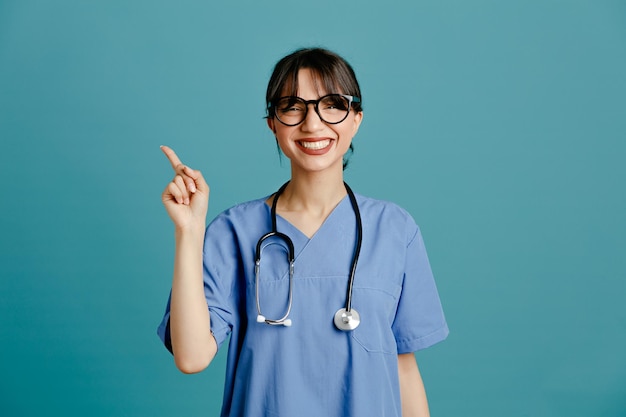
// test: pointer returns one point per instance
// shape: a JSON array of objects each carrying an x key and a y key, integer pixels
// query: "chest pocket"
[{"x": 377, "y": 305}]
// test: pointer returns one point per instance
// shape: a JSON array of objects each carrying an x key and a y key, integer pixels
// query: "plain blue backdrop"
[{"x": 499, "y": 125}]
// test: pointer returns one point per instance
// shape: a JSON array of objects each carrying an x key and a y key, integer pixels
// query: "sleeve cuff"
[{"x": 413, "y": 345}]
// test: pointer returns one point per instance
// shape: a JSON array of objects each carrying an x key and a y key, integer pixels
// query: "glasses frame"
[{"x": 351, "y": 99}]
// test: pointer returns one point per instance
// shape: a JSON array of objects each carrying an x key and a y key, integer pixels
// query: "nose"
[{"x": 312, "y": 121}]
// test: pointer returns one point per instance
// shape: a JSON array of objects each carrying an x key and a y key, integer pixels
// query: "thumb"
[{"x": 198, "y": 179}]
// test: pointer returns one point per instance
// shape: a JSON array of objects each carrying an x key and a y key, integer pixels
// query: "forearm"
[
  {"x": 412, "y": 392},
  {"x": 192, "y": 343}
]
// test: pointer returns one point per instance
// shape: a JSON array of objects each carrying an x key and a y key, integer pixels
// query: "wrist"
[{"x": 193, "y": 231}]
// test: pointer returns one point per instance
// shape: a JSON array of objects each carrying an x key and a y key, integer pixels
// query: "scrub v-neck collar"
[{"x": 294, "y": 232}]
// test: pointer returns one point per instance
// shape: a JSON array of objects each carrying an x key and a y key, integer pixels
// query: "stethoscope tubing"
[{"x": 357, "y": 249}]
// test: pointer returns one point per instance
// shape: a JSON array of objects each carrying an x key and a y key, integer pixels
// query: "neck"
[{"x": 314, "y": 192}]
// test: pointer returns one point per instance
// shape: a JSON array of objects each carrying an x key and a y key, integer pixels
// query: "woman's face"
[{"x": 315, "y": 146}]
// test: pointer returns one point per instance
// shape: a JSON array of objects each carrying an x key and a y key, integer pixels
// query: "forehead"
[{"x": 309, "y": 81}]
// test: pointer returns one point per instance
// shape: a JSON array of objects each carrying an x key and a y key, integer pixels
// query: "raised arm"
[{"x": 186, "y": 200}]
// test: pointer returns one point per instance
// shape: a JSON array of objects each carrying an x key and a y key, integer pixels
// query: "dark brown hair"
[{"x": 332, "y": 71}]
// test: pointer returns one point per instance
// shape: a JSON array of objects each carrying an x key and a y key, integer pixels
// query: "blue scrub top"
[{"x": 311, "y": 368}]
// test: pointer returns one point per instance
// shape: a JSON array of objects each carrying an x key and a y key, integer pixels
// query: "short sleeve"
[
  {"x": 222, "y": 271},
  {"x": 419, "y": 321},
  {"x": 163, "y": 331}
]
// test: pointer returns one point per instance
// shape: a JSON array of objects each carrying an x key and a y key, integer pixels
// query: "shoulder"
[
  {"x": 386, "y": 217},
  {"x": 247, "y": 208},
  {"x": 237, "y": 227},
  {"x": 241, "y": 214},
  {"x": 382, "y": 207}
]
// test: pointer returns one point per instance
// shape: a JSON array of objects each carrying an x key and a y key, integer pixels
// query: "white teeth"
[{"x": 321, "y": 144}]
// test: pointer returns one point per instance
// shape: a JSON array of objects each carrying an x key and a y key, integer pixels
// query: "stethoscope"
[{"x": 345, "y": 318}]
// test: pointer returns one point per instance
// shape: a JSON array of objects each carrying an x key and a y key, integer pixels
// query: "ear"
[
  {"x": 358, "y": 117},
  {"x": 271, "y": 125}
]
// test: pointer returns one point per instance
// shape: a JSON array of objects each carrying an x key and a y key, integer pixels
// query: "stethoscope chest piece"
[{"x": 347, "y": 320}]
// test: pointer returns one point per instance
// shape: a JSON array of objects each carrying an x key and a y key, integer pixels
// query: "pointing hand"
[{"x": 186, "y": 197}]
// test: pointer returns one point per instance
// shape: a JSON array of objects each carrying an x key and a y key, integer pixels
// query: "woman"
[{"x": 347, "y": 353}]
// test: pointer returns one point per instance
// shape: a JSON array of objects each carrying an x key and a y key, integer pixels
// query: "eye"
[
  {"x": 290, "y": 105},
  {"x": 334, "y": 102}
]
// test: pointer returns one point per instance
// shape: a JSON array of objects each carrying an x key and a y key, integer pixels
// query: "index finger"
[{"x": 171, "y": 156}]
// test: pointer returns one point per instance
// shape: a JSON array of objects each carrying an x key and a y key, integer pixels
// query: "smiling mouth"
[{"x": 317, "y": 145}]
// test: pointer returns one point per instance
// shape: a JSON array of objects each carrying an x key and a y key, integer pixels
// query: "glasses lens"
[
  {"x": 290, "y": 110},
  {"x": 334, "y": 108}
]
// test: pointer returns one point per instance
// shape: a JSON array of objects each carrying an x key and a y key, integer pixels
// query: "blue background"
[{"x": 499, "y": 125}]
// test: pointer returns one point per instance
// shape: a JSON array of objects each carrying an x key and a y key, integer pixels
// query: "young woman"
[{"x": 325, "y": 295}]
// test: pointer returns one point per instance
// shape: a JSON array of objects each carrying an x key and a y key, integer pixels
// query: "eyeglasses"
[{"x": 332, "y": 108}]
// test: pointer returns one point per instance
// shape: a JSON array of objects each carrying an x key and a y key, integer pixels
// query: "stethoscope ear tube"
[{"x": 284, "y": 321}]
